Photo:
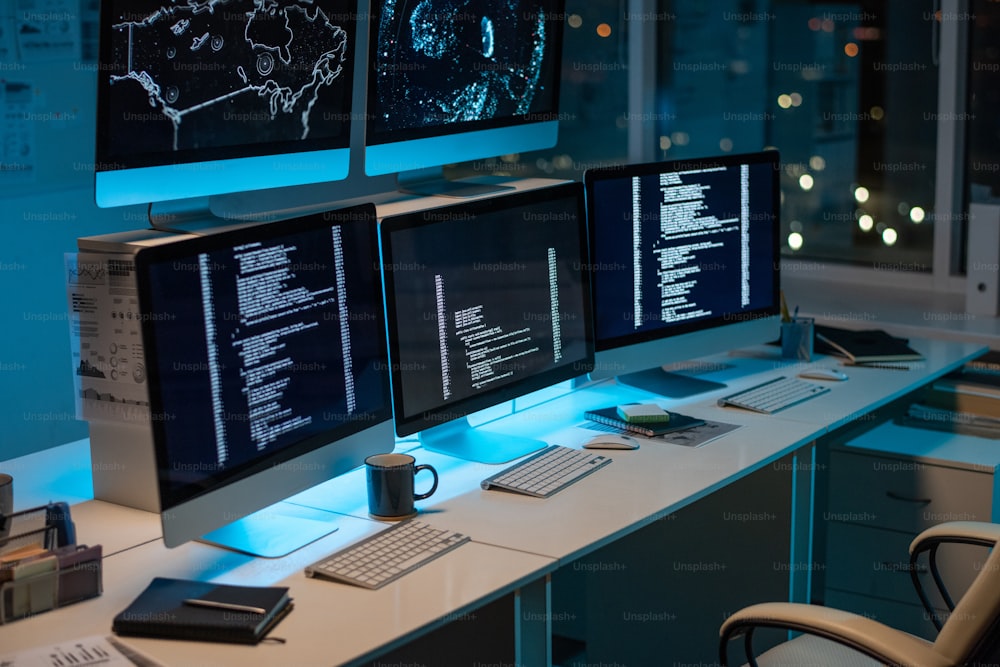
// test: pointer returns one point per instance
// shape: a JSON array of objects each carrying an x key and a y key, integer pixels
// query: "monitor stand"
[
  {"x": 431, "y": 182},
  {"x": 671, "y": 385},
  {"x": 189, "y": 216},
  {"x": 274, "y": 531},
  {"x": 462, "y": 440}
]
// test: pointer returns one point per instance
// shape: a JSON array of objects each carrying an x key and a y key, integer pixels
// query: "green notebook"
[{"x": 173, "y": 609}]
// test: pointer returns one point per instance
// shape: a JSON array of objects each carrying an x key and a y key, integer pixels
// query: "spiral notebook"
[{"x": 610, "y": 417}]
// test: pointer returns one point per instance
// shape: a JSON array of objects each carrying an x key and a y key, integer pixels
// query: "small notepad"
[{"x": 643, "y": 413}]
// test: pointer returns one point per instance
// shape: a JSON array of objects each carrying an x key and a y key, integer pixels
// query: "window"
[
  {"x": 848, "y": 92},
  {"x": 593, "y": 100},
  {"x": 982, "y": 164},
  {"x": 853, "y": 109}
]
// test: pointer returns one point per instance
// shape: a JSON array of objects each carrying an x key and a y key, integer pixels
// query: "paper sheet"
[
  {"x": 83, "y": 652},
  {"x": 106, "y": 337},
  {"x": 691, "y": 437},
  {"x": 17, "y": 133},
  {"x": 48, "y": 30}
]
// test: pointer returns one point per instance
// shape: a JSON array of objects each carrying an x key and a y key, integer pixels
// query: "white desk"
[
  {"x": 517, "y": 541},
  {"x": 330, "y": 625}
]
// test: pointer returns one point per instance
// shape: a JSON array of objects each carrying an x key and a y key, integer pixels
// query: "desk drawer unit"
[
  {"x": 879, "y": 498},
  {"x": 876, "y": 562},
  {"x": 906, "y": 495}
]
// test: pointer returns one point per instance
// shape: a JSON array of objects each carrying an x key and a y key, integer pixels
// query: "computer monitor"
[
  {"x": 450, "y": 82},
  {"x": 203, "y": 98},
  {"x": 486, "y": 301},
  {"x": 266, "y": 358},
  {"x": 685, "y": 264}
]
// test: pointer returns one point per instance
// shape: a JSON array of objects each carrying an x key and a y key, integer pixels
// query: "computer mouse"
[
  {"x": 823, "y": 374},
  {"x": 611, "y": 441}
]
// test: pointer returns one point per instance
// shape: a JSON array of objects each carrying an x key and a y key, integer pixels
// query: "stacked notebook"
[
  {"x": 963, "y": 393},
  {"x": 867, "y": 347},
  {"x": 674, "y": 422},
  {"x": 986, "y": 366},
  {"x": 966, "y": 402}
]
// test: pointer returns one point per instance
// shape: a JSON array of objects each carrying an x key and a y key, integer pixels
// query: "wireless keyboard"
[
  {"x": 551, "y": 470},
  {"x": 774, "y": 395},
  {"x": 387, "y": 556}
]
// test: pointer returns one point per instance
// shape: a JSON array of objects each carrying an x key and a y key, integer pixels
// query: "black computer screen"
[
  {"x": 443, "y": 66},
  {"x": 262, "y": 344},
  {"x": 486, "y": 301},
  {"x": 680, "y": 246}
]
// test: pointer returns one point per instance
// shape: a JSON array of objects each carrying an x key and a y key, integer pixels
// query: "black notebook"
[
  {"x": 610, "y": 417},
  {"x": 174, "y": 609},
  {"x": 863, "y": 347}
]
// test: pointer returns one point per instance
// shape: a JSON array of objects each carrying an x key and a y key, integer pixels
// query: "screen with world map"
[{"x": 206, "y": 80}]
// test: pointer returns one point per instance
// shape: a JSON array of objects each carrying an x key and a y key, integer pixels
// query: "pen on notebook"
[{"x": 212, "y": 604}]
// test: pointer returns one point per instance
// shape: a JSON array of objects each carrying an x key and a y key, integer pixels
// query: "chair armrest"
[
  {"x": 982, "y": 533},
  {"x": 870, "y": 637},
  {"x": 978, "y": 533}
]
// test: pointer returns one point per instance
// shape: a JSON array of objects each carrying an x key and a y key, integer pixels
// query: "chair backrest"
[{"x": 972, "y": 631}]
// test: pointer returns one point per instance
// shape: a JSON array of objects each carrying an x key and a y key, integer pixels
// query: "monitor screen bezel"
[
  {"x": 408, "y": 424},
  {"x": 593, "y": 176},
  {"x": 143, "y": 178},
  {"x": 171, "y": 496}
]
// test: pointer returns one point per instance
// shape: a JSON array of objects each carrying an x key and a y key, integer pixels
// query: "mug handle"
[{"x": 434, "y": 486}]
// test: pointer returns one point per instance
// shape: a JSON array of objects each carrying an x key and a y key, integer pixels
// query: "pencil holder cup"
[{"x": 797, "y": 339}]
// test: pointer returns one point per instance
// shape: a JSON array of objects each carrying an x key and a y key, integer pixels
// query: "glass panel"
[
  {"x": 848, "y": 106},
  {"x": 593, "y": 100},
  {"x": 847, "y": 92}
]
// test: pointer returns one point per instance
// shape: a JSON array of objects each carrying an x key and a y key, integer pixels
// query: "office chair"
[{"x": 970, "y": 635}]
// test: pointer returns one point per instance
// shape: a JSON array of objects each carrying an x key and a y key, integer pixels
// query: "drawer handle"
[{"x": 919, "y": 501}]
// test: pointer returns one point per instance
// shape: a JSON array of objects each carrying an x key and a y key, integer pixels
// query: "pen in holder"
[{"x": 797, "y": 338}]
